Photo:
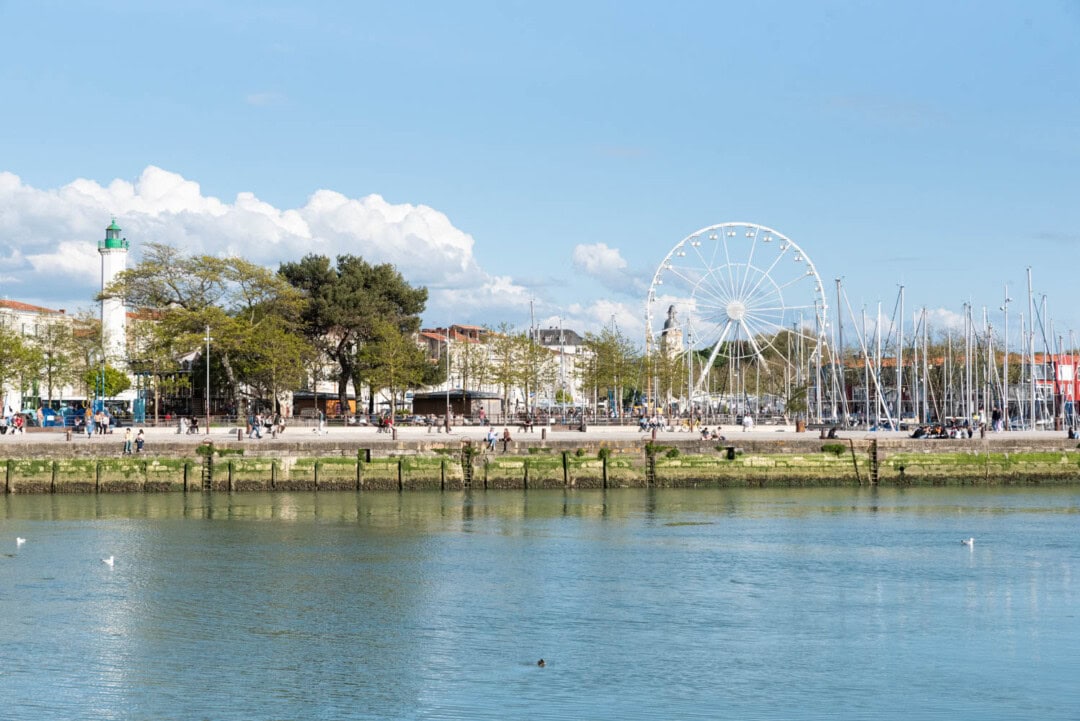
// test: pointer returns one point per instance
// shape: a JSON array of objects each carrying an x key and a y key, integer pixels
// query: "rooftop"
[{"x": 27, "y": 308}]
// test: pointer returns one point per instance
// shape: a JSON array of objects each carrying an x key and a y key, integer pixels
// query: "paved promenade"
[{"x": 367, "y": 434}]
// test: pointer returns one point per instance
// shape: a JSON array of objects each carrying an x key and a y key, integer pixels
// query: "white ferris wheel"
[{"x": 737, "y": 288}]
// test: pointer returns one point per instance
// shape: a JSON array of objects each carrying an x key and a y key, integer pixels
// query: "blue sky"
[{"x": 553, "y": 152}]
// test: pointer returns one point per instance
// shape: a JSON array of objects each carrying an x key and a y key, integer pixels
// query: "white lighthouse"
[{"x": 113, "y": 316}]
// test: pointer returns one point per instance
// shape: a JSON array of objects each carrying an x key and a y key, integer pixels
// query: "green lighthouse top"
[{"x": 112, "y": 238}]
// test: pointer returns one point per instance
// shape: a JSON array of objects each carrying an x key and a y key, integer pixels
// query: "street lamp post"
[
  {"x": 93, "y": 365},
  {"x": 1005, "y": 363},
  {"x": 689, "y": 375},
  {"x": 101, "y": 382},
  {"x": 207, "y": 380},
  {"x": 447, "y": 420},
  {"x": 561, "y": 399}
]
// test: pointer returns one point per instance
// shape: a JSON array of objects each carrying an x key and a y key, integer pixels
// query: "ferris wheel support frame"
[{"x": 730, "y": 286}]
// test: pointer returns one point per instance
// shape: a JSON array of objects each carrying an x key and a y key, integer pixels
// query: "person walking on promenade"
[
  {"x": 128, "y": 439},
  {"x": 253, "y": 426},
  {"x": 89, "y": 423}
]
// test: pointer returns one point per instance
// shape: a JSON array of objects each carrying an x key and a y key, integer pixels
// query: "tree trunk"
[
  {"x": 343, "y": 393},
  {"x": 347, "y": 370},
  {"x": 230, "y": 377}
]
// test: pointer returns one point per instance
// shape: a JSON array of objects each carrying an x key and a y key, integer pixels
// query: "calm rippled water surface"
[{"x": 740, "y": 604}]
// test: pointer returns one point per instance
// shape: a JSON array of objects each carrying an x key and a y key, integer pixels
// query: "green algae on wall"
[
  {"x": 167, "y": 474},
  {"x": 75, "y": 475},
  {"x": 424, "y": 473},
  {"x": 337, "y": 474},
  {"x": 250, "y": 473},
  {"x": 380, "y": 474},
  {"x": 982, "y": 467},
  {"x": 588, "y": 466},
  {"x": 30, "y": 476},
  {"x": 586, "y": 471}
]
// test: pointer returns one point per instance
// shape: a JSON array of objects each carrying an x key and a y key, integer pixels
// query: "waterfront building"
[
  {"x": 471, "y": 352},
  {"x": 465, "y": 352},
  {"x": 28, "y": 320},
  {"x": 568, "y": 347},
  {"x": 32, "y": 323}
]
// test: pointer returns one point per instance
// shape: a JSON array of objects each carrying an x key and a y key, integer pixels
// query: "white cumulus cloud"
[
  {"x": 48, "y": 238},
  {"x": 606, "y": 265},
  {"x": 598, "y": 259},
  {"x": 944, "y": 319},
  {"x": 627, "y": 318}
]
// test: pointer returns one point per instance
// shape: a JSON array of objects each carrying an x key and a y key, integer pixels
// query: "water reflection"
[
  {"x": 425, "y": 509},
  {"x": 736, "y": 603}
]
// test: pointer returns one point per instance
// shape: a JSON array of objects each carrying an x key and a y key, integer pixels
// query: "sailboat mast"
[
  {"x": 1031, "y": 347},
  {"x": 900, "y": 361}
]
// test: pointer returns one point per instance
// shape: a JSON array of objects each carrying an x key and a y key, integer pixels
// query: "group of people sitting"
[
  {"x": 648, "y": 423},
  {"x": 944, "y": 431},
  {"x": 712, "y": 435},
  {"x": 491, "y": 438},
  {"x": 12, "y": 423}
]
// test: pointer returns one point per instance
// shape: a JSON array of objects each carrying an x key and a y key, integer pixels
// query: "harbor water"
[{"x": 644, "y": 604}]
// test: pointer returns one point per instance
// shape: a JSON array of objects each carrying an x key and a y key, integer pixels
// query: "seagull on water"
[
  {"x": 108, "y": 561},
  {"x": 968, "y": 542},
  {"x": 19, "y": 541}
]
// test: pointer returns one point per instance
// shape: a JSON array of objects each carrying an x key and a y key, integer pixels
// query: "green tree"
[
  {"x": 611, "y": 366},
  {"x": 29, "y": 372},
  {"x": 274, "y": 359},
  {"x": 86, "y": 348},
  {"x": 17, "y": 360},
  {"x": 346, "y": 305},
  {"x": 535, "y": 366},
  {"x": 167, "y": 278},
  {"x": 669, "y": 372},
  {"x": 472, "y": 363},
  {"x": 58, "y": 359},
  {"x": 231, "y": 296},
  {"x": 108, "y": 380},
  {"x": 503, "y": 362},
  {"x": 154, "y": 355},
  {"x": 393, "y": 361}
]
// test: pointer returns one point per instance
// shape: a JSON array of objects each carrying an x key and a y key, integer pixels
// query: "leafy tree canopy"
[{"x": 347, "y": 306}]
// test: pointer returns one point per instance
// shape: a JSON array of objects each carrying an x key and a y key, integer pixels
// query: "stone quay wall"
[{"x": 391, "y": 465}]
